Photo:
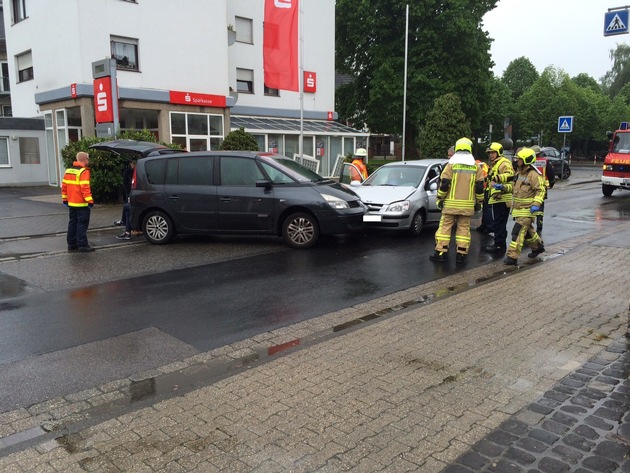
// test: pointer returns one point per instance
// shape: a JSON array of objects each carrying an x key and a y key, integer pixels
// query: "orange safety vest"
[
  {"x": 362, "y": 168},
  {"x": 75, "y": 187}
]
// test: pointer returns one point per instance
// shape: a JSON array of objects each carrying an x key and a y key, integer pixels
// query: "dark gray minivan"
[{"x": 209, "y": 192}]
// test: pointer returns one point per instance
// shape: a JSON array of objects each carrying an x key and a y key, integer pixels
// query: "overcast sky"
[{"x": 568, "y": 34}]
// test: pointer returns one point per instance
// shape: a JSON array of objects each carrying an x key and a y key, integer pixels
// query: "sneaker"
[
  {"x": 510, "y": 261},
  {"x": 437, "y": 256},
  {"x": 72, "y": 248},
  {"x": 124, "y": 236},
  {"x": 536, "y": 252},
  {"x": 85, "y": 249},
  {"x": 460, "y": 258},
  {"x": 118, "y": 223}
]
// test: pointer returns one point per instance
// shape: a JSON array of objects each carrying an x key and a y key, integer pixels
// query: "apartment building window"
[
  {"x": 24, "y": 66},
  {"x": 18, "y": 10},
  {"x": 4, "y": 152},
  {"x": 245, "y": 80},
  {"x": 244, "y": 30},
  {"x": 7, "y": 111},
  {"x": 125, "y": 51},
  {"x": 29, "y": 150},
  {"x": 272, "y": 92},
  {"x": 4, "y": 84}
]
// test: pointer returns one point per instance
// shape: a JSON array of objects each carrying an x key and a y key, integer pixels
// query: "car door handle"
[
  {"x": 225, "y": 199},
  {"x": 173, "y": 197}
]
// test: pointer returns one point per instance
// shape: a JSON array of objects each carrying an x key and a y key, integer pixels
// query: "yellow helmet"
[
  {"x": 495, "y": 147},
  {"x": 361, "y": 152},
  {"x": 463, "y": 144},
  {"x": 528, "y": 156}
]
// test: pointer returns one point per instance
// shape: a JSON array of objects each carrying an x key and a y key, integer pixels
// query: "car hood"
[
  {"x": 139, "y": 149},
  {"x": 383, "y": 194}
]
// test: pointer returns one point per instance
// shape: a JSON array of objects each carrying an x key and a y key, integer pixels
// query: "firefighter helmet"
[
  {"x": 361, "y": 152},
  {"x": 528, "y": 156},
  {"x": 463, "y": 144},
  {"x": 495, "y": 147}
]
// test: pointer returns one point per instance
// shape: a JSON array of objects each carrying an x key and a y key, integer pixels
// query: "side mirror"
[
  {"x": 355, "y": 183},
  {"x": 264, "y": 183},
  {"x": 609, "y": 134},
  {"x": 433, "y": 186}
]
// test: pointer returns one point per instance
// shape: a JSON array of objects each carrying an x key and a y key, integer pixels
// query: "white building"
[{"x": 181, "y": 73}]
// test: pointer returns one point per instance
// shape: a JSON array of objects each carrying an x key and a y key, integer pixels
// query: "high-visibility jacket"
[
  {"x": 529, "y": 189},
  {"x": 362, "y": 169},
  {"x": 484, "y": 170},
  {"x": 501, "y": 172},
  {"x": 461, "y": 185},
  {"x": 75, "y": 187}
]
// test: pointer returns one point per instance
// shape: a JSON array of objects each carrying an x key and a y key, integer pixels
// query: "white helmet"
[{"x": 361, "y": 152}]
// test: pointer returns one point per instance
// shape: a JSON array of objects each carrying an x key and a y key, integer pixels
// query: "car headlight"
[
  {"x": 335, "y": 202},
  {"x": 608, "y": 167},
  {"x": 401, "y": 206}
]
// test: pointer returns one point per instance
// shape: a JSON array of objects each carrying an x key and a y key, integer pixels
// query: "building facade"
[{"x": 188, "y": 71}]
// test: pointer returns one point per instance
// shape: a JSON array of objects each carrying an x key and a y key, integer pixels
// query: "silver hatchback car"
[{"x": 401, "y": 195}]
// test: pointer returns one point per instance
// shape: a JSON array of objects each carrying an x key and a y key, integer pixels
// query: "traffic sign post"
[
  {"x": 616, "y": 21},
  {"x": 565, "y": 125}
]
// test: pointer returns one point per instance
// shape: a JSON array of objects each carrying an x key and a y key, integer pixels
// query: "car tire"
[
  {"x": 157, "y": 228},
  {"x": 300, "y": 230},
  {"x": 567, "y": 173},
  {"x": 607, "y": 190},
  {"x": 417, "y": 224}
]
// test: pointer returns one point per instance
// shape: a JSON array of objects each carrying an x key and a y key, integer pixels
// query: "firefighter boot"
[
  {"x": 510, "y": 261},
  {"x": 536, "y": 252},
  {"x": 460, "y": 258},
  {"x": 438, "y": 256}
]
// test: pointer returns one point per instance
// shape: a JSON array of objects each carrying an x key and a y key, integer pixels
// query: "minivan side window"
[
  {"x": 276, "y": 176},
  {"x": 192, "y": 171},
  {"x": 239, "y": 171},
  {"x": 154, "y": 170}
]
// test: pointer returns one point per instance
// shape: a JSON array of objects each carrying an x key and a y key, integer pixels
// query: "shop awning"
[{"x": 292, "y": 126}]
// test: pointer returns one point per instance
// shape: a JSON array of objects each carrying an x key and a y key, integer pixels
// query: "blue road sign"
[
  {"x": 565, "y": 124},
  {"x": 616, "y": 22}
]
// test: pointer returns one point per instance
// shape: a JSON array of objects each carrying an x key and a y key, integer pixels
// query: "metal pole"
[
  {"x": 564, "y": 144},
  {"x": 405, "y": 86},
  {"x": 301, "y": 82}
]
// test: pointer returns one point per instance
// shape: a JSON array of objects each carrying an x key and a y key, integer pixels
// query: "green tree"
[
  {"x": 619, "y": 75},
  {"x": 497, "y": 109},
  {"x": 587, "y": 82},
  {"x": 240, "y": 140},
  {"x": 446, "y": 123},
  {"x": 519, "y": 76},
  {"x": 448, "y": 52}
]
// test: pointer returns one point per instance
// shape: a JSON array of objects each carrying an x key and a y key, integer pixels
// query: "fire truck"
[{"x": 616, "y": 169}]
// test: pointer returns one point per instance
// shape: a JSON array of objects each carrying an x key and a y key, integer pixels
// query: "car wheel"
[
  {"x": 607, "y": 190},
  {"x": 417, "y": 223},
  {"x": 567, "y": 173},
  {"x": 300, "y": 230},
  {"x": 157, "y": 228}
]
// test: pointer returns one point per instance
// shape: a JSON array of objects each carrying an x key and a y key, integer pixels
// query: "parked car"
[
  {"x": 402, "y": 195},
  {"x": 210, "y": 192},
  {"x": 559, "y": 162}
]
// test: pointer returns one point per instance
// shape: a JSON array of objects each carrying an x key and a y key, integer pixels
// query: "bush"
[
  {"x": 240, "y": 140},
  {"x": 106, "y": 168}
]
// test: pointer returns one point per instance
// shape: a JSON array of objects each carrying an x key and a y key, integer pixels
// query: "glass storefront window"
[
  {"x": 180, "y": 140},
  {"x": 216, "y": 125},
  {"x": 178, "y": 123},
  {"x": 292, "y": 145},
  {"x": 275, "y": 145},
  {"x": 197, "y": 144},
  {"x": 197, "y": 124},
  {"x": 308, "y": 146}
]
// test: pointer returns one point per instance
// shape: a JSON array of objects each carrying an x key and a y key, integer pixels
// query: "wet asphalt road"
[{"x": 212, "y": 305}]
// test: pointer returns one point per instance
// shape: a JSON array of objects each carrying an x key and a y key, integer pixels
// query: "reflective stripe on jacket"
[
  {"x": 501, "y": 172},
  {"x": 461, "y": 196},
  {"x": 75, "y": 187},
  {"x": 529, "y": 189}
]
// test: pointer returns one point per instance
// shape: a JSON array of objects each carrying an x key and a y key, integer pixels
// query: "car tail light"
[{"x": 133, "y": 179}]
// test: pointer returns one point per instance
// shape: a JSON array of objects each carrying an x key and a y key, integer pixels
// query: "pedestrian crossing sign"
[
  {"x": 565, "y": 124},
  {"x": 616, "y": 22}
]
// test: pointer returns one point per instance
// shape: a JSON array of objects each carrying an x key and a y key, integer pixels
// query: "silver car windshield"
[{"x": 396, "y": 176}]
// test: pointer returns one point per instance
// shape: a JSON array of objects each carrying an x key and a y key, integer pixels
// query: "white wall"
[
  {"x": 179, "y": 48},
  {"x": 24, "y": 174}
]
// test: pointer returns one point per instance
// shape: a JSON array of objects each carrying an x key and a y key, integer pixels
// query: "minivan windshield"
[{"x": 293, "y": 168}]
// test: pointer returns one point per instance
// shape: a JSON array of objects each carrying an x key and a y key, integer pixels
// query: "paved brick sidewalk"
[{"x": 413, "y": 390}]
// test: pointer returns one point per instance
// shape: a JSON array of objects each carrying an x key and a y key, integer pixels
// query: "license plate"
[{"x": 371, "y": 218}]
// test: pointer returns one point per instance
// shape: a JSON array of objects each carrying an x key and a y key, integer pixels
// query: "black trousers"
[{"x": 500, "y": 216}]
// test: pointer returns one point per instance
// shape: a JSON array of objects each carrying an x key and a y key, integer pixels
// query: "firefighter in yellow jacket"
[
  {"x": 527, "y": 198},
  {"x": 460, "y": 194},
  {"x": 77, "y": 196},
  {"x": 499, "y": 192}
]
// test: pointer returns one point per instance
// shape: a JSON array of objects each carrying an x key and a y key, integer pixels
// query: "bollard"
[{"x": 595, "y": 160}]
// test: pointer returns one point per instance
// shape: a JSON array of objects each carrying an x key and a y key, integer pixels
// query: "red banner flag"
[{"x": 280, "y": 45}]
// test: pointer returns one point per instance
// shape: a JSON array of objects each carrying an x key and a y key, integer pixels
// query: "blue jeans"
[
  {"x": 126, "y": 218},
  {"x": 78, "y": 225}
]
